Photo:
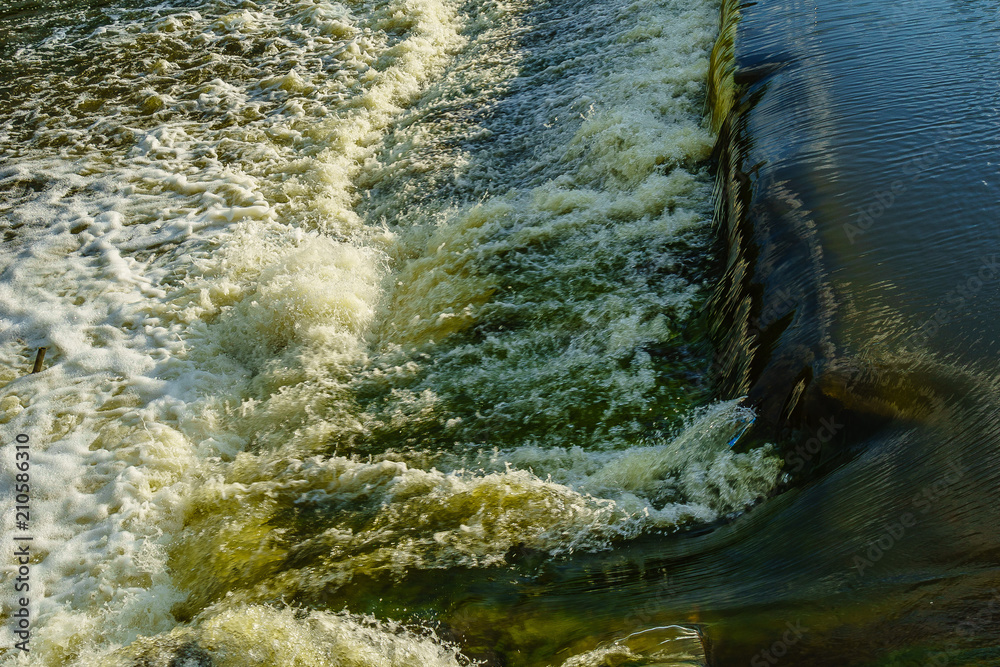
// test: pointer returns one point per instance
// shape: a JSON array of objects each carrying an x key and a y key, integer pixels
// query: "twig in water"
[{"x": 39, "y": 358}]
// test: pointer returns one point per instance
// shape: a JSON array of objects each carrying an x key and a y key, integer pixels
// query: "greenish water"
[
  {"x": 343, "y": 302},
  {"x": 400, "y": 333}
]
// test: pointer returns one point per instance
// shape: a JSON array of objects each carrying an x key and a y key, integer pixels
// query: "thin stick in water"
[{"x": 39, "y": 358}]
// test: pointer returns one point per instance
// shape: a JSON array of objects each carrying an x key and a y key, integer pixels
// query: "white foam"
[{"x": 258, "y": 276}]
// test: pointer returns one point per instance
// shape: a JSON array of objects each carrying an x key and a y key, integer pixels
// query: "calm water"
[
  {"x": 382, "y": 333},
  {"x": 860, "y": 298}
]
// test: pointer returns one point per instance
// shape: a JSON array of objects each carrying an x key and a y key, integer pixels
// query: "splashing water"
[{"x": 334, "y": 290}]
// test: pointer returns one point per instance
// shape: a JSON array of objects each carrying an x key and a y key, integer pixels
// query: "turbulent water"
[
  {"x": 338, "y": 294},
  {"x": 428, "y": 332}
]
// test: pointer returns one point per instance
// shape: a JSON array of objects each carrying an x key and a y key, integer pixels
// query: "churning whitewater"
[{"x": 342, "y": 290}]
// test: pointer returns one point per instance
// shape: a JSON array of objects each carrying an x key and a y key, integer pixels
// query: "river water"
[{"x": 400, "y": 332}]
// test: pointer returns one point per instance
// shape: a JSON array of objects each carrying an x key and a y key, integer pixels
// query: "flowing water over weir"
[{"x": 399, "y": 333}]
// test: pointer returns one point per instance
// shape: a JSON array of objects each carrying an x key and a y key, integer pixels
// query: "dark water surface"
[
  {"x": 883, "y": 119},
  {"x": 862, "y": 203}
]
